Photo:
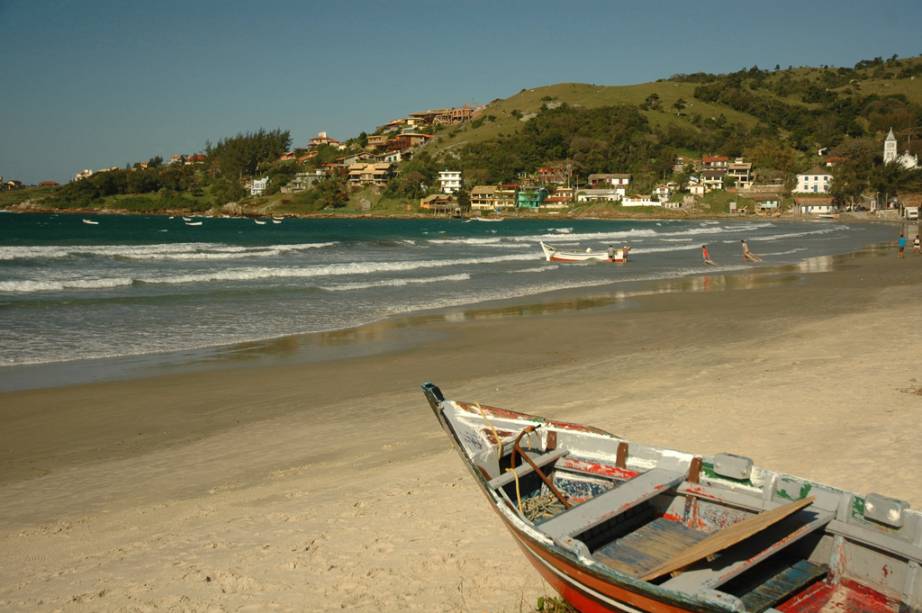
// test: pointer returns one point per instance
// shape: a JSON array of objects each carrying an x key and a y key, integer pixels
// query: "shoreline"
[
  {"x": 330, "y": 483},
  {"x": 391, "y": 332}
]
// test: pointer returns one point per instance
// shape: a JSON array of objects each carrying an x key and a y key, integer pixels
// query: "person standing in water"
[
  {"x": 915, "y": 244},
  {"x": 705, "y": 254},
  {"x": 901, "y": 244},
  {"x": 749, "y": 256}
]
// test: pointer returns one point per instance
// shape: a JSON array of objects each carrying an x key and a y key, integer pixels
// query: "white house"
[
  {"x": 258, "y": 187},
  {"x": 641, "y": 201},
  {"x": 600, "y": 195},
  {"x": 83, "y": 174},
  {"x": 450, "y": 181},
  {"x": 816, "y": 181},
  {"x": 906, "y": 160},
  {"x": 814, "y": 205}
]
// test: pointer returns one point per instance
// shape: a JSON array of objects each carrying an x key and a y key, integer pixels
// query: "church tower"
[{"x": 890, "y": 153}]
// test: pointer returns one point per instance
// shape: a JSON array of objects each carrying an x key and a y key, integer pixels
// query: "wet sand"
[{"x": 328, "y": 485}]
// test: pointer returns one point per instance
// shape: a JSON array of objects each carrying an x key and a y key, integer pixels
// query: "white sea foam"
[
  {"x": 31, "y": 285},
  {"x": 775, "y": 237},
  {"x": 396, "y": 282},
  {"x": 161, "y": 251},
  {"x": 628, "y": 235},
  {"x": 536, "y": 269},
  {"x": 788, "y": 252}
]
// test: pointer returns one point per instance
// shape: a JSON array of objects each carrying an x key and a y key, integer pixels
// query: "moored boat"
[
  {"x": 90, "y": 222},
  {"x": 260, "y": 222},
  {"x": 617, "y": 256},
  {"x": 193, "y": 223},
  {"x": 619, "y": 526}
]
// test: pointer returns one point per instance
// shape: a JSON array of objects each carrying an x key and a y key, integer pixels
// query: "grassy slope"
[{"x": 590, "y": 96}]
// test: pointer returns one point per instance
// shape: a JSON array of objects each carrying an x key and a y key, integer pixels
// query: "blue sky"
[{"x": 88, "y": 84}]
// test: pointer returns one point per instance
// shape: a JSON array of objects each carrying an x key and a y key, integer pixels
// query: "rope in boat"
[{"x": 496, "y": 438}]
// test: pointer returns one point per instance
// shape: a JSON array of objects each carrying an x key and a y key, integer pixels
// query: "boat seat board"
[
  {"x": 648, "y": 546},
  {"x": 525, "y": 468},
  {"x": 612, "y": 503},
  {"x": 754, "y": 550},
  {"x": 727, "y": 537},
  {"x": 782, "y": 585}
]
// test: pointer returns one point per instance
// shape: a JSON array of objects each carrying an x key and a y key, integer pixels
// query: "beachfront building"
[
  {"x": 907, "y": 160},
  {"x": 375, "y": 174},
  {"x": 664, "y": 191},
  {"x": 600, "y": 195},
  {"x": 303, "y": 181},
  {"x": 816, "y": 181},
  {"x": 530, "y": 197},
  {"x": 741, "y": 173},
  {"x": 555, "y": 203},
  {"x": 602, "y": 180},
  {"x": 492, "y": 197},
  {"x": 640, "y": 201},
  {"x": 712, "y": 179},
  {"x": 439, "y": 203},
  {"x": 766, "y": 203},
  {"x": 259, "y": 186},
  {"x": 449, "y": 181},
  {"x": 814, "y": 205}
]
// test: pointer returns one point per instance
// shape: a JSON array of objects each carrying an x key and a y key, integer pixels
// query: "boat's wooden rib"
[{"x": 525, "y": 469}]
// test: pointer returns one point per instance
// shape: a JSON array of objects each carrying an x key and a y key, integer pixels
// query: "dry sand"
[{"x": 329, "y": 486}]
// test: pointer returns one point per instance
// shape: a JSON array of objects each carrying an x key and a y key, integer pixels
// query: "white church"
[{"x": 890, "y": 154}]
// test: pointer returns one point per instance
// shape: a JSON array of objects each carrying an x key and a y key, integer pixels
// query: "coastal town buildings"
[
  {"x": 303, "y": 181},
  {"x": 530, "y": 197},
  {"x": 439, "y": 203},
  {"x": 259, "y": 186},
  {"x": 814, "y": 205},
  {"x": 891, "y": 155},
  {"x": 492, "y": 197},
  {"x": 374, "y": 174},
  {"x": 630, "y": 201},
  {"x": 323, "y": 139},
  {"x": 712, "y": 179},
  {"x": 741, "y": 173},
  {"x": 817, "y": 181},
  {"x": 449, "y": 181},
  {"x": 715, "y": 162},
  {"x": 10, "y": 185},
  {"x": 603, "y": 180},
  {"x": 86, "y": 173},
  {"x": 600, "y": 195}
]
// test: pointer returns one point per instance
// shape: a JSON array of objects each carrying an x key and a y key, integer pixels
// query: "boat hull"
[{"x": 571, "y": 257}]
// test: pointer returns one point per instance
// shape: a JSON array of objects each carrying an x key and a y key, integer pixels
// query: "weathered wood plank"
[
  {"x": 612, "y": 503},
  {"x": 782, "y": 585},
  {"x": 752, "y": 552},
  {"x": 731, "y": 535},
  {"x": 648, "y": 546}
]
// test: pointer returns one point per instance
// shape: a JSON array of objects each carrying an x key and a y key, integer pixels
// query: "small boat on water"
[
  {"x": 261, "y": 222},
  {"x": 614, "y": 525},
  {"x": 184, "y": 218},
  {"x": 193, "y": 223},
  {"x": 274, "y": 220},
  {"x": 90, "y": 222},
  {"x": 552, "y": 254},
  {"x": 486, "y": 219}
]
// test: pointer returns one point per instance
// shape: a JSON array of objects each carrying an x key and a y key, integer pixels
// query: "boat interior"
[{"x": 715, "y": 528}]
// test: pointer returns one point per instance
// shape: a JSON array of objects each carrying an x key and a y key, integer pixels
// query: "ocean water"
[{"x": 135, "y": 285}]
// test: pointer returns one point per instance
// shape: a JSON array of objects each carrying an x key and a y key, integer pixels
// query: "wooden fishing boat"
[
  {"x": 552, "y": 254},
  {"x": 620, "y": 526}
]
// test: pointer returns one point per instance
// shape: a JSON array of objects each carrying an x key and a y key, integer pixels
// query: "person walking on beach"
[
  {"x": 749, "y": 256},
  {"x": 901, "y": 245},
  {"x": 915, "y": 244},
  {"x": 705, "y": 254}
]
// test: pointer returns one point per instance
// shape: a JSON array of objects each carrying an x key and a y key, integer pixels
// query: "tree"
[
  {"x": 651, "y": 103},
  {"x": 679, "y": 106}
]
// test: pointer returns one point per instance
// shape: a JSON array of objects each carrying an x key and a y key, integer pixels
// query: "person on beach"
[
  {"x": 611, "y": 252},
  {"x": 749, "y": 256},
  {"x": 705, "y": 254},
  {"x": 901, "y": 245},
  {"x": 915, "y": 244}
]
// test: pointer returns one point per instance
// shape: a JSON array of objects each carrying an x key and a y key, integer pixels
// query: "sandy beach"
[{"x": 327, "y": 485}]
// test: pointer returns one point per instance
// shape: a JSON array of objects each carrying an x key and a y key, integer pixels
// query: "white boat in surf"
[
  {"x": 184, "y": 218},
  {"x": 276, "y": 220},
  {"x": 90, "y": 222},
  {"x": 193, "y": 223},
  {"x": 261, "y": 222},
  {"x": 616, "y": 256},
  {"x": 490, "y": 219}
]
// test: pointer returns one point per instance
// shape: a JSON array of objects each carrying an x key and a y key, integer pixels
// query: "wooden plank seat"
[
  {"x": 603, "y": 507},
  {"x": 760, "y": 546},
  {"x": 647, "y": 547},
  {"x": 781, "y": 585},
  {"x": 525, "y": 468}
]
